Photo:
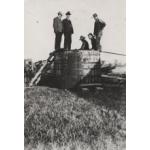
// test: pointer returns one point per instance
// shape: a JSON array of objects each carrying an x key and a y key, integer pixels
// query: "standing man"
[
  {"x": 98, "y": 28},
  {"x": 68, "y": 31},
  {"x": 58, "y": 30}
]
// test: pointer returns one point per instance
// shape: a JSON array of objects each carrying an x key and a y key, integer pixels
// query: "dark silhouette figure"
[
  {"x": 98, "y": 28},
  {"x": 85, "y": 44},
  {"x": 68, "y": 31},
  {"x": 58, "y": 29},
  {"x": 93, "y": 41}
]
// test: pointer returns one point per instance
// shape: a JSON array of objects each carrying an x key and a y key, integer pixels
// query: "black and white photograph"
[{"x": 75, "y": 74}]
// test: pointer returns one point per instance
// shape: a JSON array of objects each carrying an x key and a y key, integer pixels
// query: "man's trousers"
[
  {"x": 58, "y": 37},
  {"x": 67, "y": 41},
  {"x": 98, "y": 38}
]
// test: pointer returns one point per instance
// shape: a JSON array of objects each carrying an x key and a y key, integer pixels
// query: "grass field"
[{"x": 61, "y": 120}]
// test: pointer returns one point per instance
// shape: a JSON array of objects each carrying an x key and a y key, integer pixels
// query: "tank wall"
[{"x": 74, "y": 67}]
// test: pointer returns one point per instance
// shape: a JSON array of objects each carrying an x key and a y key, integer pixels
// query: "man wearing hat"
[
  {"x": 85, "y": 44},
  {"x": 58, "y": 30},
  {"x": 98, "y": 28},
  {"x": 93, "y": 40},
  {"x": 68, "y": 31}
]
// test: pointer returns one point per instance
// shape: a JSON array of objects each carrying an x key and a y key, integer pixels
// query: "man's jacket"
[
  {"x": 85, "y": 45},
  {"x": 93, "y": 42},
  {"x": 67, "y": 27},
  {"x": 98, "y": 26},
  {"x": 57, "y": 25}
]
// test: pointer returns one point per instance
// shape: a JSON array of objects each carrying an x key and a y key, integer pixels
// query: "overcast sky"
[{"x": 39, "y": 14}]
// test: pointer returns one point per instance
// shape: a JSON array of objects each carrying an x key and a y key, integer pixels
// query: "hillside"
[{"x": 59, "y": 119}]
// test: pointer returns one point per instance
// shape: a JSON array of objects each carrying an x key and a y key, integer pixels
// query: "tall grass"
[{"x": 59, "y": 120}]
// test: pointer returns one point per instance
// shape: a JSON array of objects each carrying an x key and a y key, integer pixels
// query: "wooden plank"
[
  {"x": 90, "y": 85},
  {"x": 99, "y": 88},
  {"x": 37, "y": 76},
  {"x": 113, "y": 53},
  {"x": 85, "y": 89},
  {"x": 112, "y": 77}
]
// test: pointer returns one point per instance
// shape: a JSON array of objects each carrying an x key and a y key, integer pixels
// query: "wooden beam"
[
  {"x": 113, "y": 53},
  {"x": 90, "y": 84},
  {"x": 99, "y": 88},
  {"x": 112, "y": 77}
]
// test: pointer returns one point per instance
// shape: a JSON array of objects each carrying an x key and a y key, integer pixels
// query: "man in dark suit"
[
  {"x": 68, "y": 31},
  {"x": 93, "y": 40},
  {"x": 98, "y": 28},
  {"x": 58, "y": 30},
  {"x": 85, "y": 44}
]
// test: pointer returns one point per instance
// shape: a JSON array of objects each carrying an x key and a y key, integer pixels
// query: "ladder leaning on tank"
[{"x": 35, "y": 80}]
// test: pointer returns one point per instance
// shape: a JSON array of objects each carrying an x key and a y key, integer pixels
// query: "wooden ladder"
[{"x": 35, "y": 80}]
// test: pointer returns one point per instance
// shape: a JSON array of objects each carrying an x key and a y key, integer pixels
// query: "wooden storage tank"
[{"x": 76, "y": 67}]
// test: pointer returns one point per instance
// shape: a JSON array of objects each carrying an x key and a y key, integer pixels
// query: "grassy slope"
[{"x": 59, "y": 119}]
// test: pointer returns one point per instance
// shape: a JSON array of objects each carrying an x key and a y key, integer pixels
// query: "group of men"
[{"x": 65, "y": 27}]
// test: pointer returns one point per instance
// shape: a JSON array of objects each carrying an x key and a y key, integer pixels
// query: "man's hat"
[
  {"x": 60, "y": 13},
  {"x": 90, "y": 34},
  {"x": 82, "y": 38},
  {"x": 68, "y": 13},
  {"x": 95, "y": 15}
]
